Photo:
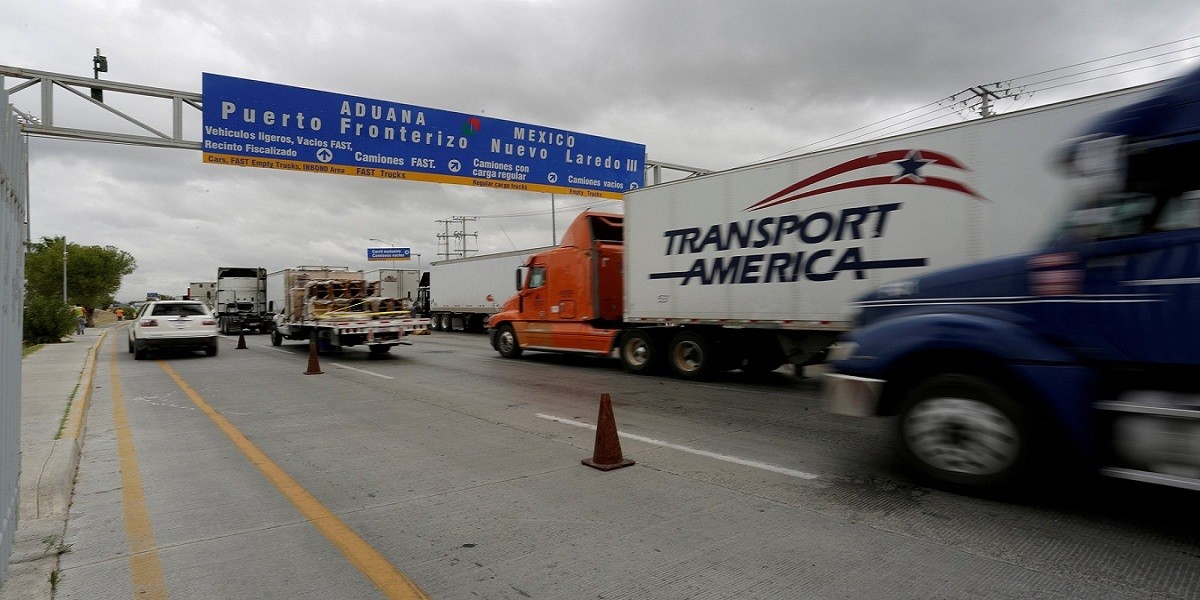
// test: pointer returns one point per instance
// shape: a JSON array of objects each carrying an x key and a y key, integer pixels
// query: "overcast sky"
[{"x": 713, "y": 85}]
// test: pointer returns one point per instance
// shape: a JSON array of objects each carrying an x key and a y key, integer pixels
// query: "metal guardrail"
[{"x": 14, "y": 194}]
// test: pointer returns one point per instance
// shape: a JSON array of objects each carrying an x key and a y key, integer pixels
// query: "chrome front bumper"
[{"x": 852, "y": 395}]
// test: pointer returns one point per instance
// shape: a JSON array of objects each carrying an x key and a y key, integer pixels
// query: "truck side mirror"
[{"x": 520, "y": 279}]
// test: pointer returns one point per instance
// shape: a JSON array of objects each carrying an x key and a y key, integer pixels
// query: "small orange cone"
[
  {"x": 314, "y": 367},
  {"x": 241, "y": 340},
  {"x": 607, "y": 455}
]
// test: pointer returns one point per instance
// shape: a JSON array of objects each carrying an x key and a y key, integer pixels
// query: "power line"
[
  {"x": 1118, "y": 55},
  {"x": 885, "y": 126},
  {"x": 546, "y": 211}
]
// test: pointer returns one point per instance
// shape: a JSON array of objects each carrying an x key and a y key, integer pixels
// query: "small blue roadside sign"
[
  {"x": 251, "y": 123},
  {"x": 389, "y": 254}
]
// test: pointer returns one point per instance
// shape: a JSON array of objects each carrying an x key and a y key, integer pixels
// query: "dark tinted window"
[{"x": 177, "y": 310}]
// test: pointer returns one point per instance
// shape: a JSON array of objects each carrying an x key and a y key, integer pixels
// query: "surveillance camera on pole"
[{"x": 99, "y": 65}]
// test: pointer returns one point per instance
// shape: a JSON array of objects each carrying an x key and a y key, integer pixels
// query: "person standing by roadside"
[{"x": 80, "y": 319}]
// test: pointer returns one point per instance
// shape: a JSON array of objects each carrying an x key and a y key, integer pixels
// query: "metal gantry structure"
[
  {"x": 42, "y": 122},
  {"x": 175, "y": 106}
]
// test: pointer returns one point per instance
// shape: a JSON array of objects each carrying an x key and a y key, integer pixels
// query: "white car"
[{"x": 185, "y": 324}]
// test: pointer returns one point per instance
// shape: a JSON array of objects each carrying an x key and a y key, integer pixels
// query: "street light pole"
[{"x": 64, "y": 269}]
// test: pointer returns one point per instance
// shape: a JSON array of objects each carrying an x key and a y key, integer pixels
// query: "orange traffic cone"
[
  {"x": 241, "y": 340},
  {"x": 314, "y": 367},
  {"x": 607, "y": 455}
]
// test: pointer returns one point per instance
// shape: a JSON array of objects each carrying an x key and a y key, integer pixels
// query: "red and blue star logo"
[{"x": 909, "y": 161}]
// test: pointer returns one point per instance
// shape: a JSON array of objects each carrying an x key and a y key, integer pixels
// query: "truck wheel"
[
  {"x": 506, "y": 342},
  {"x": 691, "y": 356},
  {"x": 447, "y": 322},
  {"x": 435, "y": 321},
  {"x": 276, "y": 338},
  {"x": 638, "y": 353},
  {"x": 967, "y": 432}
]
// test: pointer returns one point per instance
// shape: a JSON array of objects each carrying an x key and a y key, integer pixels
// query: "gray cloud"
[{"x": 710, "y": 84}]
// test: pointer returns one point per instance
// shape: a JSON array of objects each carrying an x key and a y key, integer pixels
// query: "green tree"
[
  {"x": 47, "y": 320},
  {"x": 93, "y": 272}
]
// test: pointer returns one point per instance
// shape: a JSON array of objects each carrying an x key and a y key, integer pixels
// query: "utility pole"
[
  {"x": 461, "y": 236},
  {"x": 444, "y": 240},
  {"x": 986, "y": 96}
]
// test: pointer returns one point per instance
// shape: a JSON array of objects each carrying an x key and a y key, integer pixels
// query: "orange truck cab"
[{"x": 569, "y": 299}]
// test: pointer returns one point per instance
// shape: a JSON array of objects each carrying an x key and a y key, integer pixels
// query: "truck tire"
[
  {"x": 691, "y": 356},
  {"x": 276, "y": 338},
  {"x": 447, "y": 322},
  {"x": 967, "y": 433},
  {"x": 506, "y": 342},
  {"x": 435, "y": 321},
  {"x": 638, "y": 352}
]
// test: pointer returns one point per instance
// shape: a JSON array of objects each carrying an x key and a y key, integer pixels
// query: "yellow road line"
[
  {"x": 145, "y": 569},
  {"x": 368, "y": 560}
]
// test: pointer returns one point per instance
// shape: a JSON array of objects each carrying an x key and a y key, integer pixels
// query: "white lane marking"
[
  {"x": 363, "y": 371},
  {"x": 698, "y": 452}
]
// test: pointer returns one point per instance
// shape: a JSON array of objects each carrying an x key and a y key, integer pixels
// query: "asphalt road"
[{"x": 238, "y": 476}]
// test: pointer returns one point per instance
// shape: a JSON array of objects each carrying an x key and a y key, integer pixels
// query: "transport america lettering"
[{"x": 783, "y": 265}]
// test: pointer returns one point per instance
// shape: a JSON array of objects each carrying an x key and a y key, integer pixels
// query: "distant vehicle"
[
  {"x": 464, "y": 292},
  {"x": 335, "y": 307},
  {"x": 173, "y": 324},
  {"x": 395, "y": 283},
  {"x": 756, "y": 267},
  {"x": 241, "y": 299},
  {"x": 1086, "y": 349}
]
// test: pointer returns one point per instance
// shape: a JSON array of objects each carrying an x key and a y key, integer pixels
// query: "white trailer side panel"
[
  {"x": 277, "y": 291},
  {"x": 479, "y": 284},
  {"x": 395, "y": 283},
  {"x": 793, "y": 241}
]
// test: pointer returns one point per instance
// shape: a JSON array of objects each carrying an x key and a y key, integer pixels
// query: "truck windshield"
[
  {"x": 1112, "y": 216},
  {"x": 1107, "y": 216}
]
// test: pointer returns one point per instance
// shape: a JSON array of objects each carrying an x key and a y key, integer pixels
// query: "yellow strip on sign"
[
  {"x": 330, "y": 169},
  {"x": 145, "y": 569},
  {"x": 368, "y": 560}
]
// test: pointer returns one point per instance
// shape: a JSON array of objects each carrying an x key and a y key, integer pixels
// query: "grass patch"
[
  {"x": 62, "y": 422},
  {"x": 30, "y": 349}
]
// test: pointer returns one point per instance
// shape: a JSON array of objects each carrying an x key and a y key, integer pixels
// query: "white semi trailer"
[
  {"x": 464, "y": 292},
  {"x": 757, "y": 266}
]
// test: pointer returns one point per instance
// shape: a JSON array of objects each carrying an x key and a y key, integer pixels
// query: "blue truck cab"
[{"x": 1084, "y": 352}]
